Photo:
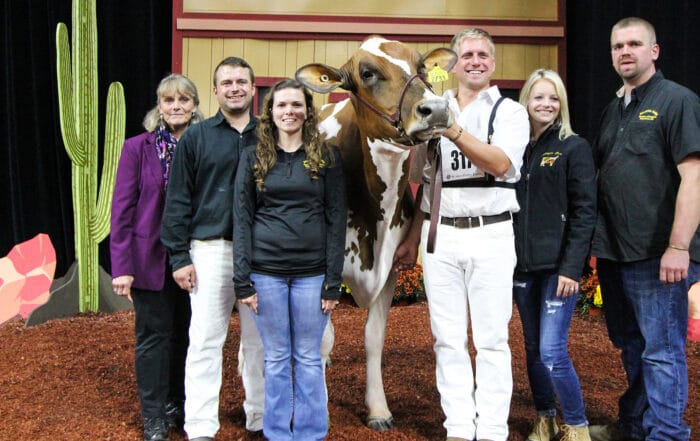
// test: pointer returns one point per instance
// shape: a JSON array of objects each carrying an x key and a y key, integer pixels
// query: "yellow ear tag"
[{"x": 437, "y": 74}]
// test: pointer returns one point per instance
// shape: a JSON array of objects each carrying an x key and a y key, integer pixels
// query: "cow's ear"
[
  {"x": 442, "y": 57},
  {"x": 320, "y": 77}
]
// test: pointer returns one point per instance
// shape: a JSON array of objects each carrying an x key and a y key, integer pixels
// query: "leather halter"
[{"x": 394, "y": 119}]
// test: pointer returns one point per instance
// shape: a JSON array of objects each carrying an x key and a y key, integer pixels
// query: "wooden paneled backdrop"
[{"x": 277, "y": 38}]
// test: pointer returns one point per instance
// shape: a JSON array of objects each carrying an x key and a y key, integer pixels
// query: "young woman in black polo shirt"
[{"x": 289, "y": 236}]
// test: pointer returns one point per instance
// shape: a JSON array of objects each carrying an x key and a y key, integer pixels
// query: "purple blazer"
[{"x": 137, "y": 211}]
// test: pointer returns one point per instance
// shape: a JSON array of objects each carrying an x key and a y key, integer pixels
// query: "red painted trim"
[
  {"x": 335, "y": 97},
  {"x": 317, "y": 36},
  {"x": 561, "y": 68},
  {"x": 362, "y": 28},
  {"x": 263, "y": 82},
  {"x": 561, "y": 13},
  {"x": 355, "y": 37},
  {"x": 561, "y": 50},
  {"x": 177, "y": 37},
  {"x": 526, "y": 40},
  {"x": 267, "y": 81}
]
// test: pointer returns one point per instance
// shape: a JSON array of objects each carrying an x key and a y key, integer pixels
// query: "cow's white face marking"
[
  {"x": 372, "y": 46},
  {"x": 430, "y": 95}
]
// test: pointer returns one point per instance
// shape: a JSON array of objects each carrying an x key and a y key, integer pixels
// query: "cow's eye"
[{"x": 369, "y": 76}]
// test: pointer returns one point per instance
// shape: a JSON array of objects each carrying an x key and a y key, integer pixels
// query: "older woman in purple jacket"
[{"x": 139, "y": 265}]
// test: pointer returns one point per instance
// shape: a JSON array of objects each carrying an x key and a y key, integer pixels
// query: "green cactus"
[{"x": 78, "y": 104}]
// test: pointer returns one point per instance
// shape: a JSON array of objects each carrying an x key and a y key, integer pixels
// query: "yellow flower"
[{"x": 598, "y": 297}]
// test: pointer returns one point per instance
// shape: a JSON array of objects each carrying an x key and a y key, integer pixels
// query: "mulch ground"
[{"x": 73, "y": 379}]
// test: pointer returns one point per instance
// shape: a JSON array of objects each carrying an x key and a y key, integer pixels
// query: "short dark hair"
[{"x": 234, "y": 62}]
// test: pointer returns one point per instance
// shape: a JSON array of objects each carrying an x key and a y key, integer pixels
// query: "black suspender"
[{"x": 489, "y": 180}]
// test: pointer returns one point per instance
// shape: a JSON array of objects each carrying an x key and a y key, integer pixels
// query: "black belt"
[
  {"x": 473, "y": 221},
  {"x": 228, "y": 238}
]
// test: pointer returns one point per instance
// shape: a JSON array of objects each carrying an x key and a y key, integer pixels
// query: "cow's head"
[{"x": 388, "y": 78}]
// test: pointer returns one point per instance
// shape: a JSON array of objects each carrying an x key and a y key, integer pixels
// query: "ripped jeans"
[{"x": 546, "y": 319}]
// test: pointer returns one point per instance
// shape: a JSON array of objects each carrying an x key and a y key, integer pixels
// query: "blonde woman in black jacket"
[{"x": 553, "y": 229}]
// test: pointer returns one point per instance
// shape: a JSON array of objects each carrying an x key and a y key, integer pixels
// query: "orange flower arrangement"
[
  {"x": 409, "y": 286},
  {"x": 589, "y": 295}
]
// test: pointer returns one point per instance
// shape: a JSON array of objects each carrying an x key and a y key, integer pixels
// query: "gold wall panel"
[{"x": 281, "y": 58}]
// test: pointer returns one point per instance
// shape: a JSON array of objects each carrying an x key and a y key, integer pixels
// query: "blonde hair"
[
  {"x": 563, "y": 119},
  {"x": 173, "y": 83},
  {"x": 317, "y": 154},
  {"x": 473, "y": 33}
]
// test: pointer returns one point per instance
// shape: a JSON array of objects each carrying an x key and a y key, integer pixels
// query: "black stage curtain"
[
  {"x": 134, "y": 39},
  {"x": 134, "y": 48}
]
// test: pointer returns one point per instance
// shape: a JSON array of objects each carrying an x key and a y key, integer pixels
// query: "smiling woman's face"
[
  {"x": 289, "y": 110},
  {"x": 543, "y": 104},
  {"x": 176, "y": 109}
]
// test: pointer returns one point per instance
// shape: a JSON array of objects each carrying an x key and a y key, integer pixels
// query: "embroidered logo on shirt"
[
  {"x": 549, "y": 158},
  {"x": 648, "y": 115}
]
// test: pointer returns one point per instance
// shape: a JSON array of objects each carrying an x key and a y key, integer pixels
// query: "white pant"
[
  {"x": 470, "y": 275},
  {"x": 252, "y": 369},
  {"x": 212, "y": 302}
]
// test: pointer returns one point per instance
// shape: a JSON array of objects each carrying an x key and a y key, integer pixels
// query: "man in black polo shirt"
[
  {"x": 197, "y": 230},
  {"x": 646, "y": 240}
]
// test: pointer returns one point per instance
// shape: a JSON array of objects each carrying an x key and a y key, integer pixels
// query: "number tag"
[{"x": 456, "y": 166}]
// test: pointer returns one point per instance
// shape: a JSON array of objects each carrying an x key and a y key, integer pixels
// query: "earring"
[{"x": 194, "y": 114}]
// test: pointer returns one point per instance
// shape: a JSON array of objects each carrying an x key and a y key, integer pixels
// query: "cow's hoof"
[{"x": 380, "y": 424}]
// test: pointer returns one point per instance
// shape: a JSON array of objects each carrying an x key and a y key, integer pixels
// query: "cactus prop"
[{"x": 78, "y": 104}]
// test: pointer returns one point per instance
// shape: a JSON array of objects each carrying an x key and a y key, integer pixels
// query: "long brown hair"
[{"x": 265, "y": 152}]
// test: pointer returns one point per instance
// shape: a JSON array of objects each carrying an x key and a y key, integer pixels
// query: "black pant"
[{"x": 161, "y": 327}]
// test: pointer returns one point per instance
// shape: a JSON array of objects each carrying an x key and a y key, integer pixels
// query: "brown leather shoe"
[
  {"x": 544, "y": 429},
  {"x": 572, "y": 433}
]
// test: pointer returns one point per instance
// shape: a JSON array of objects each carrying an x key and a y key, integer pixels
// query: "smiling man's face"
[{"x": 475, "y": 64}]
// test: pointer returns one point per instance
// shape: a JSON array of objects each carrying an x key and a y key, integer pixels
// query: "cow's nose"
[{"x": 433, "y": 110}]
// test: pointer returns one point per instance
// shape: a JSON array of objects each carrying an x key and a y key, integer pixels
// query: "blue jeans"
[
  {"x": 291, "y": 324},
  {"x": 546, "y": 319},
  {"x": 648, "y": 321}
]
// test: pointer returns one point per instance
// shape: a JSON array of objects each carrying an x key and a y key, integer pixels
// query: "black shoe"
[
  {"x": 175, "y": 416},
  {"x": 155, "y": 429}
]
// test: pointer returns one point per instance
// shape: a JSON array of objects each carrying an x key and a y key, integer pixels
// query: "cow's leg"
[{"x": 379, "y": 417}]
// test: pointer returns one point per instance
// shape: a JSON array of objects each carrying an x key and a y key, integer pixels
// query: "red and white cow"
[{"x": 391, "y": 108}]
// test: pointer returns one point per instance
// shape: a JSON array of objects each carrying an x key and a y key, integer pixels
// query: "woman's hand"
[
  {"x": 566, "y": 287},
  {"x": 327, "y": 306},
  {"x": 122, "y": 286},
  {"x": 251, "y": 302}
]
